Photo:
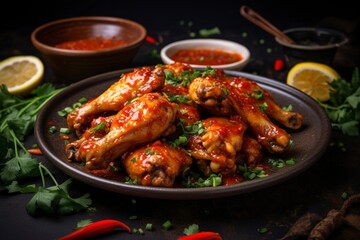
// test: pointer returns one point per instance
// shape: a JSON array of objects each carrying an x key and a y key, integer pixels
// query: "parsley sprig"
[
  {"x": 343, "y": 107},
  {"x": 17, "y": 117}
]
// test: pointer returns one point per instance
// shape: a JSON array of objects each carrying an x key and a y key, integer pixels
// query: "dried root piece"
[
  {"x": 311, "y": 227},
  {"x": 302, "y": 226},
  {"x": 333, "y": 220},
  {"x": 325, "y": 227}
]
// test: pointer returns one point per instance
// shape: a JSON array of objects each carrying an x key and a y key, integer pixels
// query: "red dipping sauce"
[
  {"x": 92, "y": 44},
  {"x": 204, "y": 56}
]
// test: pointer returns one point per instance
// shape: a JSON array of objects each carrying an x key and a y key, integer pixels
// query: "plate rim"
[{"x": 181, "y": 193}]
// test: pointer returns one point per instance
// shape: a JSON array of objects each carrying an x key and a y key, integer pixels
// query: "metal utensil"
[{"x": 261, "y": 22}]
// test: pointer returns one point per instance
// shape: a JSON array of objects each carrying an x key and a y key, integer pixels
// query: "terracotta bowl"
[{"x": 124, "y": 38}]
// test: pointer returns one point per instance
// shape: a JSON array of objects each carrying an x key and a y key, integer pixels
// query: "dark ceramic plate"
[{"x": 309, "y": 143}]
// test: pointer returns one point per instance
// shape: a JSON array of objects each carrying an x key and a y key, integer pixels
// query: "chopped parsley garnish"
[
  {"x": 185, "y": 77},
  {"x": 251, "y": 173},
  {"x": 258, "y": 94},
  {"x": 196, "y": 129},
  {"x": 280, "y": 163},
  {"x": 209, "y": 32},
  {"x": 191, "y": 229},
  {"x": 100, "y": 126},
  {"x": 195, "y": 180}
]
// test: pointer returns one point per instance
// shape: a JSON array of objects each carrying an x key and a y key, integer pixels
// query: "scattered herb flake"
[{"x": 191, "y": 229}]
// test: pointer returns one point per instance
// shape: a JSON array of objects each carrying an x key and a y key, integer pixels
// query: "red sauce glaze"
[
  {"x": 203, "y": 56},
  {"x": 92, "y": 44},
  {"x": 231, "y": 179}
]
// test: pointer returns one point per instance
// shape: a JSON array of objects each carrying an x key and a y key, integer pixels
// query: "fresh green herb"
[
  {"x": 209, "y": 32},
  {"x": 195, "y": 180},
  {"x": 263, "y": 107},
  {"x": 52, "y": 129},
  {"x": 100, "y": 126},
  {"x": 251, "y": 173},
  {"x": 344, "y": 195},
  {"x": 288, "y": 108},
  {"x": 208, "y": 71},
  {"x": 64, "y": 112},
  {"x": 149, "y": 227},
  {"x": 65, "y": 130},
  {"x": 140, "y": 231},
  {"x": 167, "y": 225},
  {"x": 178, "y": 98},
  {"x": 196, "y": 128},
  {"x": 154, "y": 53},
  {"x": 149, "y": 151},
  {"x": 258, "y": 94},
  {"x": 339, "y": 145},
  {"x": 83, "y": 223},
  {"x": 53, "y": 200},
  {"x": 130, "y": 101},
  {"x": 133, "y": 159},
  {"x": 82, "y": 100},
  {"x": 17, "y": 117},
  {"x": 185, "y": 77},
  {"x": 263, "y": 230},
  {"x": 224, "y": 90},
  {"x": 280, "y": 163},
  {"x": 191, "y": 229},
  {"x": 130, "y": 181},
  {"x": 343, "y": 107},
  {"x": 133, "y": 217}
]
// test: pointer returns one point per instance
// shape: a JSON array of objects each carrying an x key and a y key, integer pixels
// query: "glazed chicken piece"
[
  {"x": 177, "y": 68},
  {"x": 142, "y": 121},
  {"x": 251, "y": 152},
  {"x": 227, "y": 95},
  {"x": 129, "y": 86},
  {"x": 188, "y": 112},
  {"x": 216, "y": 148},
  {"x": 260, "y": 96},
  {"x": 157, "y": 164}
]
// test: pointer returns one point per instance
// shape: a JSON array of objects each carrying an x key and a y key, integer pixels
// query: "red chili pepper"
[
  {"x": 202, "y": 236},
  {"x": 279, "y": 64},
  {"x": 35, "y": 151},
  {"x": 95, "y": 229},
  {"x": 150, "y": 39}
]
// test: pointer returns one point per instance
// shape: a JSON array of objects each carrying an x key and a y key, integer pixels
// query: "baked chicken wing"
[
  {"x": 227, "y": 95},
  {"x": 130, "y": 85},
  {"x": 216, "y": 148},
  {"x": 142, "y": 121},
  {"x": 156, "y": 164}
]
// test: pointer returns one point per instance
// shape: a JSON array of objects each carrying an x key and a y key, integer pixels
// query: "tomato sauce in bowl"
[
  {"x": 91, "y": 44},
  {"x": 206, "y": 56}
]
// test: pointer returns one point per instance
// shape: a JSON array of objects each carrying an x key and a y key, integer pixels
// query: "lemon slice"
[
  {"x": 21, "y": 74},
  {"x": 313, "y": 79}
]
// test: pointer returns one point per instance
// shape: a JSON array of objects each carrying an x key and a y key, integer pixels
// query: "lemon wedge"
[
  {"x": 313, "y": 79},
  {"x": 21, "y": 74}
]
